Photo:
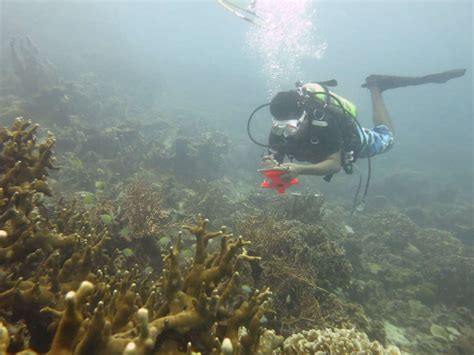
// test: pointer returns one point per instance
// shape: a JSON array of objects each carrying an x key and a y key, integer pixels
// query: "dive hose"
[
  {"x": 348, "y": 167},
  {"x": 248, "y": 126}
]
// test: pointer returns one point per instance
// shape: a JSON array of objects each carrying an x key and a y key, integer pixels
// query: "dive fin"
[
  {"x": 332, "y": 82},
  {"x": 385, "y": 82}
]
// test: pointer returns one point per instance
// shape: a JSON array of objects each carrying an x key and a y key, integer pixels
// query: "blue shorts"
[{"x": 379, "y": 140}]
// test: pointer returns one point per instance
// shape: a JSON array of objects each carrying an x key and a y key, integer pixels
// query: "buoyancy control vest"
[{"x": 325, "y": 105}]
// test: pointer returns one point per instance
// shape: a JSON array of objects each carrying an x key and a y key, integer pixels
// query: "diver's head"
[{"x": 288, "y": 115}]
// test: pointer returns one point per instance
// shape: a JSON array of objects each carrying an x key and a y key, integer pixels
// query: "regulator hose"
[
  {"x": 364, "y": 144},
  {"x": 248, "y": 126}
]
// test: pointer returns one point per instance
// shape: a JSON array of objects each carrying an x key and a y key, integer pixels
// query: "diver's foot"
[{"x": 385, "y": 82}]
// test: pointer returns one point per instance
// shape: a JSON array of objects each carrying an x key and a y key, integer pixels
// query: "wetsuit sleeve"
[{"x": 276, "y": 143}]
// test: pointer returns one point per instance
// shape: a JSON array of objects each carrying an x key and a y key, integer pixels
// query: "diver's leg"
[{"x": 380, "y": 114}]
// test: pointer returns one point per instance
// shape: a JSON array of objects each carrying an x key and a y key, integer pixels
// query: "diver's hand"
[
  {"x": 291, "y": 170},
  {"x": 268, "y": 161},
  {"x": 349, "y": 157}
]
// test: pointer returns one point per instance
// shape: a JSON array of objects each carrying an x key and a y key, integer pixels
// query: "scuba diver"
[{"x": 313, "y": 125}]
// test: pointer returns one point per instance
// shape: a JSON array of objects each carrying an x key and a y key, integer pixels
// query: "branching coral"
[
  {"x": 143, "y": 209},
  {"x": 24, "y": 167},
  {"x": 195, "y": 310},
  {"x": 188, "y": 310},
  {"x": 203, "y": 298},
  {"x": 108, "y": 311},
  {"x": 304, "y": 269}
]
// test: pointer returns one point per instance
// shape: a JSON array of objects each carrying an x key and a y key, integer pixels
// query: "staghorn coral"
[
  {"x": 108, "y": 311},
  {"x": 204, "y": 295},
  {"x": 142, "y": 208},
  {"x": 186, "y": 310},
  {"x": 192, "y": 311},
  {"x": 30, "y": 292},
  {"x": 24, "y": 167},
  {"x": 334, "y": 341}
]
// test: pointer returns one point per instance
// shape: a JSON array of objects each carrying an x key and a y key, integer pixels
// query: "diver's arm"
[{"x": 331, "y": 165}]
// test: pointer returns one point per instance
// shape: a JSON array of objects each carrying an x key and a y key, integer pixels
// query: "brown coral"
[
  {"x": 143, "y": 209},
  {"x": 24, "y": 166},
  {"x": 304, "y": 268},
  {"x": 197, "y": 311},
  {"x": 109, "y": 311}
]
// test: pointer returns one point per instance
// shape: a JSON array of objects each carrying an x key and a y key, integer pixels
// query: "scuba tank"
[{"x": 331, "y": 100}]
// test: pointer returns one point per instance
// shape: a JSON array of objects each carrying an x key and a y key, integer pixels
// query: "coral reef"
[
  {"x": 453, "y": 217},
  {"x": 303, "y": 207},
  {"x": 305, "y": 269},
  {"x": 410, "y": 275},
  {"x": 195, "y": 311},
  {"x": 201, "y": 157},
  {"x": 24, "y": 167},
  {"x": 106, "y": 255},
  {"x": 142, "y": 207},
  {"x": 218, "y": 199},
  {"x": 193, "y": 306},
  {"x": 98, "y": 271},
  {"x": 33, "y": 70},
  {"x": 334, "y": 341},
  {"x": 74, "y": 110},
  {"x": 444, "y": 265},
  {"x": 407, "y": 188}
]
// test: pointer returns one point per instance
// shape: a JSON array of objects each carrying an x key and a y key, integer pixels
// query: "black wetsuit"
[{"x": 317, "y": 142}]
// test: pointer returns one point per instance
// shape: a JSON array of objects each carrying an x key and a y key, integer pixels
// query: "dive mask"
[{"x": 287, "y": 127}]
